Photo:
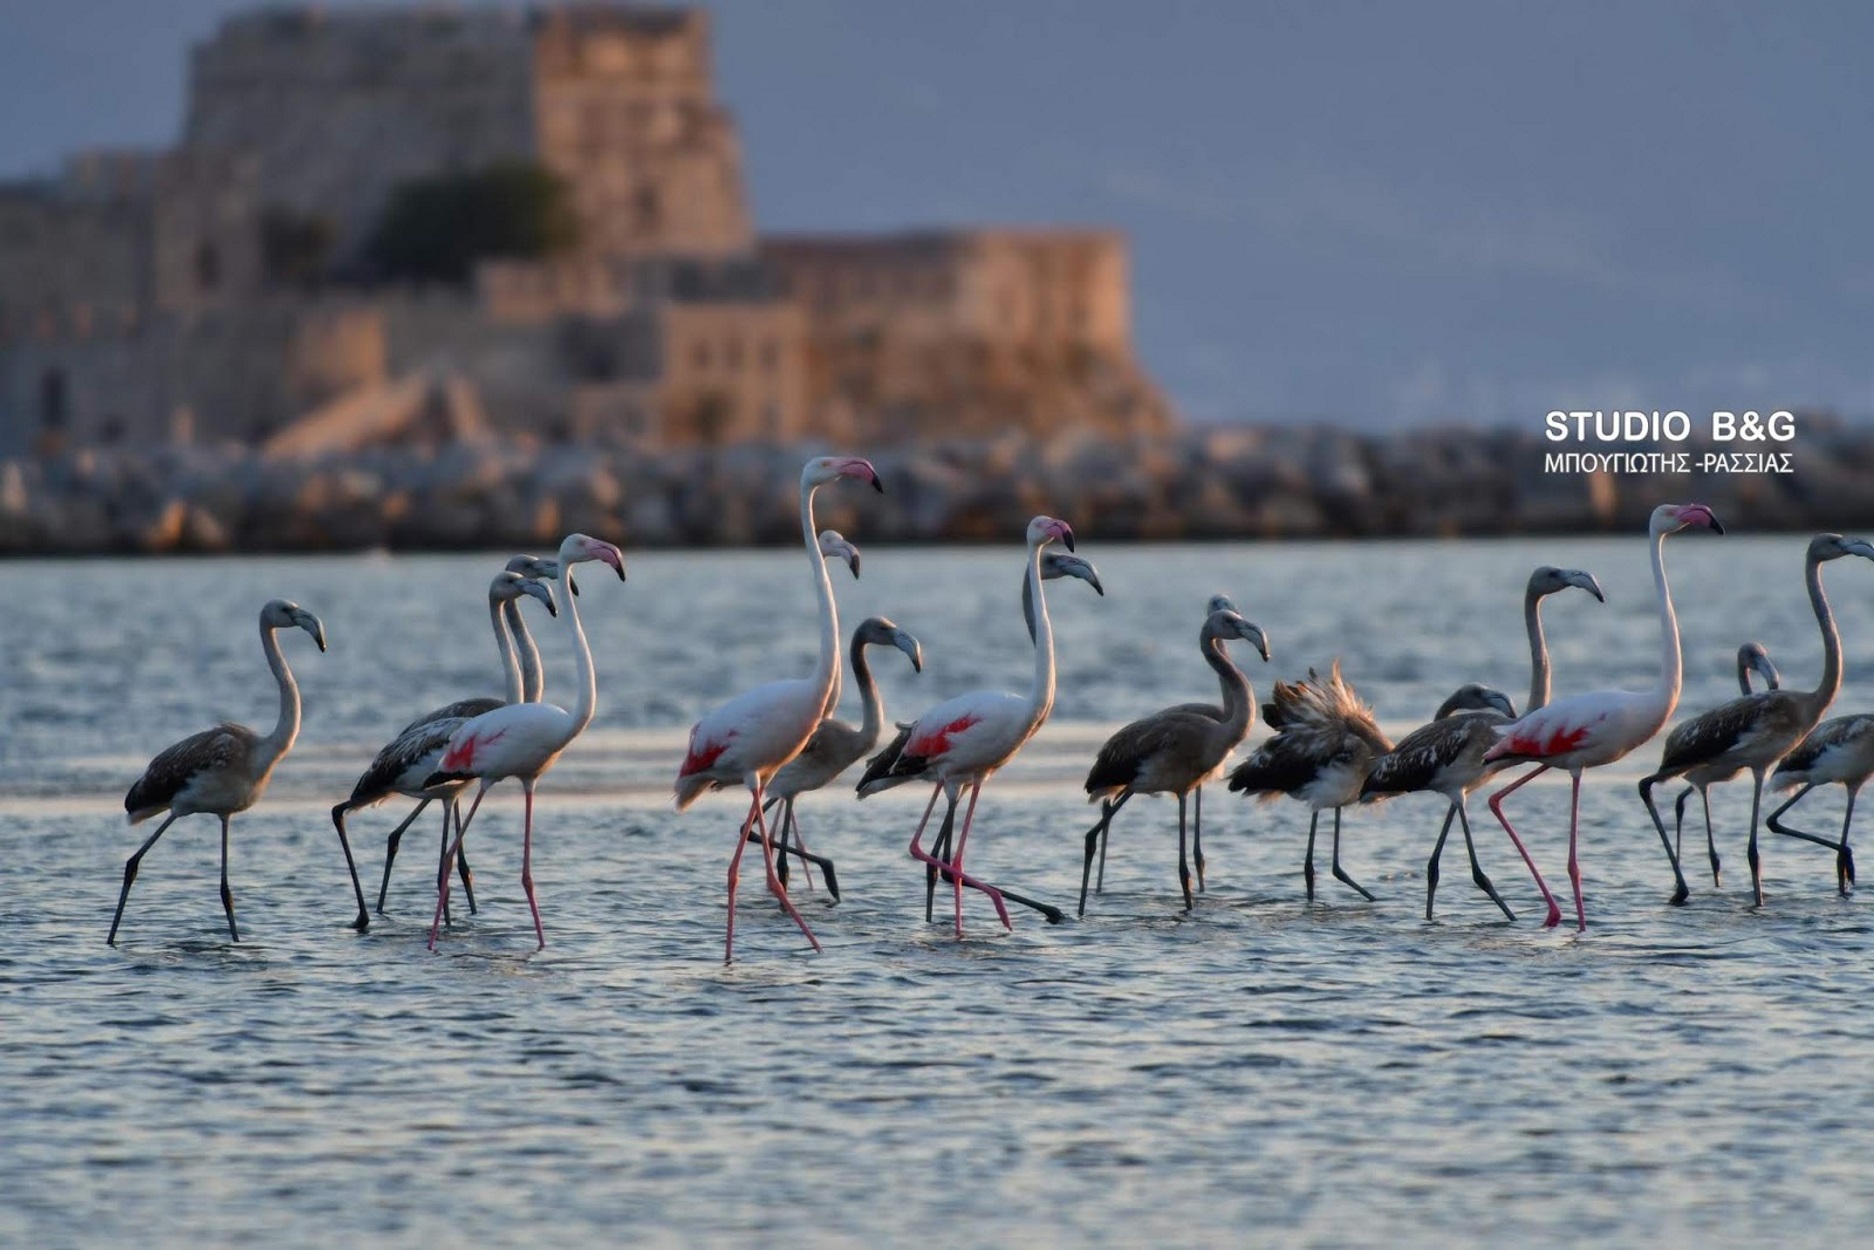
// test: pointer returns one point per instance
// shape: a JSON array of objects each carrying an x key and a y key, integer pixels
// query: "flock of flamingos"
[{"x": 780, "y": 740}]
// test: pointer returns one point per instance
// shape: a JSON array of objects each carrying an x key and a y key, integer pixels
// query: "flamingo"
[
  {"x": 1177, "y": 749},
  {"x": 1751, "y": 658},
  {"x": 1756, "y": 731},
  {"x": 1588, "y": 730},
  {"x": 1840, "y": 750},
  {"x": 223, "y": 770},
  {"x": 837, "y": 745},
  {"x": 963, "y": 741},
  {"x": 746, "y": 740},
  {"x": 523, "y": 740},
  {"x": 1446, "y": 756},
  {"x": 1326, "y": 740},
  {"x": 407, "y": 760},
  {"x": 879, "y": 775}
]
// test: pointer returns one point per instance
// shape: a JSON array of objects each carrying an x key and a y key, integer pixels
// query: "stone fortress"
[{"x": 143, "y": 300}]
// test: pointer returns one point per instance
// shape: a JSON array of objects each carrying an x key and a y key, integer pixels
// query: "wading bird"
[
  {"x": 1840, "y": 751},
  {"x": 1177, "y": 749},
  {"x": 1756, "y": 731},
  {"x": 523, "y": 740},
  {"x": 1588, "y": 730},
  {"x": 746, "y": 740},
  {"x": 224, "y": 770},
  {"x": 1751, "y": 658}
]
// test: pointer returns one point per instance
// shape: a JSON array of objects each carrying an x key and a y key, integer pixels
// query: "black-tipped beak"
[
  {"x": 1094, "y": 581},
  {"x": 852, "y": 562},
  {"x": 570, "y": 583},
  {"x": 1716, "y": 526},
  {"x": 1067, "y": 538}
]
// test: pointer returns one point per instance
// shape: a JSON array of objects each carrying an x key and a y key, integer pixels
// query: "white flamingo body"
[{"x": 1589, "y": 730}]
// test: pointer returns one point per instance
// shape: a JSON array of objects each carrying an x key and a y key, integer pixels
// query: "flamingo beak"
[
  {"x": 612, "y": 556},
  {"x": 861, "y": 468},
  {"x": 911, "y": 647},
  {"x": 1859, "y": 547},
  {"x": 1584, "y": 581},
  {"x": 1254, "y": 634},
  {"x": 1065, "y": 532},
  {"x": 852, "y": 562}
]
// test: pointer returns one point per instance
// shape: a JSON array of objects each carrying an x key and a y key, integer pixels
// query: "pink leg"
[
  {"x": 527, "y": 861},
  {"x": 442, "y": 885},
  {"x": 1574, "y": 866},
  {"x": 995, "y": 895},
  {"x": 1496, "y": 809},
  {"x": 735, "y": 874},
  {"x": 774, "y": 880},
  {"x": 919, "y": 853}
]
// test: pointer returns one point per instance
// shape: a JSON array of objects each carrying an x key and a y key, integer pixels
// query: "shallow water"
[{"x": 1337, "y": 1073}]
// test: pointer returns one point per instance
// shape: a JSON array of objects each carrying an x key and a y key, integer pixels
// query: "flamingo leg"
[
  {"x": 1099, "y": 882},
  {"x": 227, "y": 895},
  {"x": 1197, "y": 835},
  {"x": 1478, "y": 876},
  {"x": 391, "y": 844},
  {"x": 800, "y": 842},
  {"x": 1844, "y": 859},
  {"x": 799, "y": 851},
  {"x": 1431, "y": 867},
  {"x": 1184, "y": 871},
  {"x": 442, "y": 875},
  {"x": 1495, "y": 804},
  {"x": 735, "y": 870},
  {"x": 1574, "y": 862},
  {"x": 442, "y": 863},
  {"x": 527, "y": 858},
  {"x": 1711, "y": 843},
  {"x": 462, "y": 865},
  {"x": 1678, "y": 821},
  {"x": 1680, "y": 892},
  {"x": 774, "y": 882},
  {"x": 130, "y": 875},
  {"x": 1340, "y": 874},
  {"x": 1844, "y": 862},
  {"x": 1307, "y": 863},
  {"x": 1096, "y": 839},
  {"x": 1756, "y": 861},
  {"x": 942, "y": 847},
  {"x": 946, "y": 868},
  {"x": 363, "y": 921},
  {"x": 961, "y": 880}
]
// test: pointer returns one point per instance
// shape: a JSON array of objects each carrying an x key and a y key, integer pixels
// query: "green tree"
[{"x": 435, "y": 229}]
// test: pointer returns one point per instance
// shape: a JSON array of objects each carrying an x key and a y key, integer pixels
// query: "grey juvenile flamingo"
[
  {"x": 1446, "y": 756},
  {"x": 1840, "y": 750},
  {"x": 1326, "y": 740},
  {"x": 1751, "y": 658},
  {"x": 224, "y": 770},
  {"x": 406, "y": 761},
  {"x": 1177, "y": 749},
  {"x": 1757, "y": 731}
]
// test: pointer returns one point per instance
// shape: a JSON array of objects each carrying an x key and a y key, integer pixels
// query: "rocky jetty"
[{"x": 1206, "y": 484}]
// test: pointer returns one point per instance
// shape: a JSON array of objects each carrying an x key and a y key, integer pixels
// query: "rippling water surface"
[{"x": 1337, "y": 1073}]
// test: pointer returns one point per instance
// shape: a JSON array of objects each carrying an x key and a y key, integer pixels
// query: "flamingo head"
[
  {"x": 1547, "y": 580},
  {"x": 285, "y": 614},
  {"x": 876, "y": 631},
  {"x": 1834, "y": 547},
  {"x": 1472, "y": 697},
  {"x": 1229, "y": 623},
  {"x": 581, "y": 547},
  {"x": 1753, "y": 657},
  {"x": 509, "y": 586},
  {"x": 536, "y": 567},
  {"x": 1670, "y": 518},
  {"x": 1046, "y": 529},
  {"x": 823, "y": 469},
  {"x": 1219, "y": 603},
  {"x": 833, "y": 546},
  {"x": 1058, "y": 564}
]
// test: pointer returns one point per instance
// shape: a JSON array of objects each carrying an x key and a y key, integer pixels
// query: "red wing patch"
[
  {"x": 927, "y": 744},
  {"x": 702, "y": 755},
  {"x": 460, "y": 757},
  {"x": 1560, "y": 742}
]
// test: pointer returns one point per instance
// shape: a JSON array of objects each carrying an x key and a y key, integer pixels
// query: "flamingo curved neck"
[
  {"x": 1824, "y": 694},
  {"x": 1671, "y": 660},
  {"x": 512, "y": 690},
  {"x": 1238, "y": 707},
  {"x": 826, "y": 672},
  {"x": 532, "y": 679},
  {"x": 874, "y": 722},
  {"x": 1041, "y": 698},
  {"x": 586, "y": 702},
  {"x": 1538, "y": 652},
  {"x": 286, "y": 729}
]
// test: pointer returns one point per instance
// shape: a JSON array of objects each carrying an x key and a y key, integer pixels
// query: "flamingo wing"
[{"x": 177, "y": 765}]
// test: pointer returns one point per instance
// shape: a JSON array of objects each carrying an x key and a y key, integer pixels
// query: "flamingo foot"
[
  {"x": 1554, "y": 917},
  {"x": 1679, "y": 897}
]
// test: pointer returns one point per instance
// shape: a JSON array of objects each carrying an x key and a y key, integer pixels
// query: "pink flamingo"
[
  {"x": 963, "y": 741},
  {"x": 523, "y": 740},
  {"x": 746, "y": 740},
  {"x": 1588, "y": 730}
]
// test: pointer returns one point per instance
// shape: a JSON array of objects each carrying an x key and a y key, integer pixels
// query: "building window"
[
  {"x": 54, "y": 400},
  {"x": 207, "y": 266}
]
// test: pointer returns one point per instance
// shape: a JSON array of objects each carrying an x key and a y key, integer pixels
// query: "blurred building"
[{"x": 153, "y": 296}]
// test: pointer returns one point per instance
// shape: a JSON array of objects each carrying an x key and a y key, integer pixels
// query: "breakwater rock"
[{"x": 1218, "y": 483}]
